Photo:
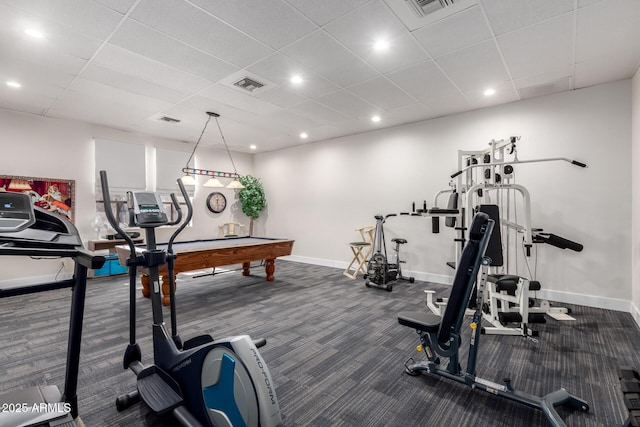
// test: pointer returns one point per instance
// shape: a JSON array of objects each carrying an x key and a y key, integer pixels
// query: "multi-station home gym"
[{"x": 335, "y": 213}]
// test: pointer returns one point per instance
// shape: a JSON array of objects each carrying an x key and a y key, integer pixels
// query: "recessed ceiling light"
[
  {"x": 489, "y": 92},
  {"x": 14, "y": 84},
  {"x": 303, "y": 135},
  {"x": 296, "y": 79},
  {"x": 381, "y": 44},
  {"x": 253, "y": 147},
  {"x": 34, "y": 33},
  {"x": 375, "y": 119}
]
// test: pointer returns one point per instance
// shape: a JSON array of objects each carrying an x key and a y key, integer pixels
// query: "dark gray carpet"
[{"x": 335, "y": 351}]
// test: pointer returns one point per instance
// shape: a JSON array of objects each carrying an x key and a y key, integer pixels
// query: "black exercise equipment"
[
  {"x": 380, "y": 272},
  {"x": 30, "y": 231},
  {"x": 630, "y": 386},
  {"x": 222, "y": 383},
  {"x": 441, "y": 336}
]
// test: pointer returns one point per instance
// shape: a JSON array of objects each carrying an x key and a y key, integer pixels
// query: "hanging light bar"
[{"x": 188, "y": 179}]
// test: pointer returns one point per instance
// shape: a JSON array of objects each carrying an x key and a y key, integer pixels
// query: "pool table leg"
[
  {"x": 144, "y": 279},
  {"x": 270, "y": 269},
  {"x": 165, "y": 289},
  {"x": 245, "y": 268}
]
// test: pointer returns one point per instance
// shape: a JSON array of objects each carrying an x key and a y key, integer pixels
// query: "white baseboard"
[
  {"x": 635, "y": 312},
  {"x": 553, "y": 296},
  {"x": 585, "y": 300},
  {"x": 34, "y": 280}
]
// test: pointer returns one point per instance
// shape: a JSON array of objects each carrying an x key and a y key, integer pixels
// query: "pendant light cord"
[
  {"x": 227, "y": 148},
  {"x": 199, "y": 138}
]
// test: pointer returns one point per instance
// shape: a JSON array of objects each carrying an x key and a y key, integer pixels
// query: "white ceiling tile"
[
  {"x": 273, "y": 22},
  {"x": 319, "y": 112},
  {"x": 191, "y": 119},
  {"x": 203, "y": 31},
  {"x": 135, "y": 65},
  {"x": 583, "y": 3},
  {"x": 505, "y": 16},
  {"x": 131, "y": 84},
  {"x": 538, "y": 86},
  {"x": 329, "y": 59},
  {"x": 455, "y": 32},
  {"x": 240, "y": 101},
  {"x": 35, "y": 81},
  {"x": 608, "y": 28},
  {"x": 605, "y": 69},
  {"x": 88, "y": 108},
  {"x": 406, "y": 114},
  {"x": 447, "y": 105},
  {"x": 24, "y": 99},
  {"x": 284, "y": 96},
  {"x": 59, "y": 39},
  {"x": 403, "y": 52},
  {"x": 505, "y": 93},
  {"x": 360, "y": 30},
  {"x": 85, "y": 17},
  {"x": 382, "y": 93},
  {"x": 199, "y": 105},
  {"x": 155, "y": 45},
  {"x": 539, "y": 48},
  {"x": 319, "y": 133},
  {"x": 121, "y": 6},
  {"x": 327, "y": 10},
  {"x": 290, "y": 121},
  {"x": 347, "y": 103},
  {"x": 279, "y": 69},
  {"x": 475, "y": 67},
  {"x": 423, "y": 81},
  {"x": 117, "y": 96},
  {"x": 39, "y": 61}
]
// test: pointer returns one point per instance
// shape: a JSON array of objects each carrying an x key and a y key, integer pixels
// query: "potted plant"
[{"x": 252, "y": 198}]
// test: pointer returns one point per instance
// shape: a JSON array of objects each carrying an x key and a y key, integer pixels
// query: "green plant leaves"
[{"x": 251, "y": 196}]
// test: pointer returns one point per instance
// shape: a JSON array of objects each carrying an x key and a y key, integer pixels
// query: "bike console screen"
[{"x": 148, "y": 209}]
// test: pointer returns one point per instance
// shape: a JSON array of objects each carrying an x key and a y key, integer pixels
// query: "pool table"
[{"x": 197, "y": 254}]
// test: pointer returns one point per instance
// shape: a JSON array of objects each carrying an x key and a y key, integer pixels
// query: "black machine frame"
[{"x": 440, "y": 336}]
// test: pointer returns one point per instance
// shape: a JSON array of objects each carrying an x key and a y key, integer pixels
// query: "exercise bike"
[
  {"x": 202, "y": 382},
  {"x": 380, "y": 272}
]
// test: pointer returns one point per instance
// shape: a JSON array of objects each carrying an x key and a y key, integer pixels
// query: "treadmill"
[{"x": 26, "y": 230}]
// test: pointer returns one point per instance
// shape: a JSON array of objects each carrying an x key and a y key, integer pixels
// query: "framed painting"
[{"x": 52, "y": 194}]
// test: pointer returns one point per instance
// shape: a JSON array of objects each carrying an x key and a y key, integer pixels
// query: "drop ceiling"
[{"x": 126, "y": 64}]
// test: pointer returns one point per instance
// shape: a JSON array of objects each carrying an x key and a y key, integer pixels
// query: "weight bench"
[{"x": 440, "y": 336}]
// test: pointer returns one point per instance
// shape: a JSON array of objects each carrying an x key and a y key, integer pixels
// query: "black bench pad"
[
  {"x": 420, "y": 320},
  {"x": 509, "y": 282}
]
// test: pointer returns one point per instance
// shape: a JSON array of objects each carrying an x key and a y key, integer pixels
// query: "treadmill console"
[
  {"x": 148, "y": 209},
  {"x": 16, "y": 212}
]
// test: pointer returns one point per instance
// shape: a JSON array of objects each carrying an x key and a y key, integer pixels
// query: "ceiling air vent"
[
  {"x": 425, "y": 7},
  {"x": 248, "y": 84},
  {"x": 169, "y": 119}
]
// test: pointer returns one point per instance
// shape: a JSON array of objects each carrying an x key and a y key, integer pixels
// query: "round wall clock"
[{"x": 216, "y": 202}]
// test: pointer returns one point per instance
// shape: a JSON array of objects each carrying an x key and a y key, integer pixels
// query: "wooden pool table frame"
[{"x": 227, "y": 251}]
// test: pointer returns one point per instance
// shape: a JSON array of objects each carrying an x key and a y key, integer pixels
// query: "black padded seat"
[
  {"x": 399, "y": 241},
  {"x": 509, "y": 283},
  {"x": 420, "y": 320}
]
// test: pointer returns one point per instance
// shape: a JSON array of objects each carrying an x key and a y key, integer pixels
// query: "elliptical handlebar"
[
  {"x": 104, "y": 184},
  {"x": 187, "y": 220},
  {"x": 176, "y": 205}
]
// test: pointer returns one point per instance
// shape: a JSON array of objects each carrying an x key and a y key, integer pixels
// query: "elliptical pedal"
[{"x": 158, "y": 390}]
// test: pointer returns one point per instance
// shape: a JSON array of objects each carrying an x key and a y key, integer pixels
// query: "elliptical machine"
[
  {"x": 380, "y": 272},
  {"x": 201, "y": 382}
]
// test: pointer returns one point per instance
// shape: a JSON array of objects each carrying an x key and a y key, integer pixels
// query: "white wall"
[
  {"x": 635, "y": 228},
  {"x": 318, "y": 193},
  {"x": 43, "y": 147}
]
